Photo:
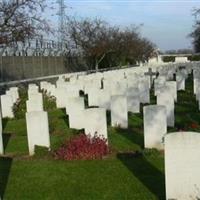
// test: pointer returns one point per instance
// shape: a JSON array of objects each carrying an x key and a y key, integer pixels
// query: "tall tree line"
[{"x": 103, "y": 45}]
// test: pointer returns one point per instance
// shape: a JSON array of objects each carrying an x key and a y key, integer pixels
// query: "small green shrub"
[
  {"x": 194, "y": 58},
  {"x": 49, "y": 102},
  {"x": 169, "y": 59},
  {"x": 19, "y": 108}
]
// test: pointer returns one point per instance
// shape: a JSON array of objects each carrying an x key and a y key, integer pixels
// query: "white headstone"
[
  {"x": 181, "y": 59},
  {"x": 197, "y": 89},
  {"x": 35, "y": 103},
  {"x": 36, "y": 97},
  {"x": 33, "y": 86},
  {"x": 182, "y": 177},
  {"x": 37, "y": 130},
  {"x": 61, "y": 97},
  {"x": 14, "y": 93},
  {"x": 76, "y": 107},
  {"x": 43, "y": 85},
  {"x": 159, "y": 83},
  {"x": 90, "y": 84},
  {"x": 132, "y": 80},
  {"x": 119, "y": 112},
  {"x": 155, "y": 126},
  {"x": 180, "y": 79},
  {"x": 172, "y": 85},
  {"x": 104, "y": 99},
  {"x": 107, "y": 84},
  {"x": 133, "y": 103},
  {"x": 7, "y": 106},
  {"x": 165, "y": 98},
  {"x": 60, "y": 83},
  {"x": 196, "y": 77},
  {"x": 51, "y": 90},
  {"x": 48, "y": 88},
  {"x": 133, "y": 91},
  {"x": 32, "y": 91},
  {"x": 93, "y": 96},
  {"x": 144, "y": 90},
  {"x": 119, "y": 88},
  {"x": 95, "y": 122}
]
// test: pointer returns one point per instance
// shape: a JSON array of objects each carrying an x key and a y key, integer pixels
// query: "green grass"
[{"x": 129, "y": 172}]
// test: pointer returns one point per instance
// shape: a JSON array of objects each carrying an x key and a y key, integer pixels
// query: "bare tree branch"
[{"x": 21, "y": 19}]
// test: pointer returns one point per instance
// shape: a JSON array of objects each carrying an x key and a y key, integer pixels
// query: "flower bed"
[{"x": 83, "y": 147}]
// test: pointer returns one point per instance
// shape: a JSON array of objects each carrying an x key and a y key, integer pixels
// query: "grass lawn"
[{"x": 129, "y": 172}]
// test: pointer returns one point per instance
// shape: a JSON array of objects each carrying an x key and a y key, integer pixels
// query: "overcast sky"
[{"x": 166, "y": 22}]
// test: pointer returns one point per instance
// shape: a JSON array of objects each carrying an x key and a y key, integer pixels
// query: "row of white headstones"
[{"x": 120, "y": 91}]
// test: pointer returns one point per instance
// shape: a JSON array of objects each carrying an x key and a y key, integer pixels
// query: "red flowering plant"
[{"x": 83, "y": 147}]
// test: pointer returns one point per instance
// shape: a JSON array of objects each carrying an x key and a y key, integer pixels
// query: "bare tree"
[
  {"x": 21, "y": 19},
  {"x": 90, "y": 37},
  {"x": 103, "y": 44}
]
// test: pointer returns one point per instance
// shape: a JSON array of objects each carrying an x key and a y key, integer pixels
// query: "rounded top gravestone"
[
  {"x": 182, "y": 153},
  {"x": 155, "y": 126}
]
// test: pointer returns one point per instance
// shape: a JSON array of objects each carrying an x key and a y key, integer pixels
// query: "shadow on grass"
[
  {"x": 6, "y": 138},
  {"x": 86, "y": 101},
  {"x": 5, "y": 167},
  {"x": 145, "y": 172},
  {"x": 66, "y": 120},
  {"x": 4, "y": 123},
  {"x": 135, "y": 120},
  {"x": 108, "y": 117},
  {"x": 136, "y": 138},
  {"x": 65, "y": 117}
]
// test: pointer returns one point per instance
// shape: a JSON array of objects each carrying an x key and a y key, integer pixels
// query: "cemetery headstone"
[
  {"x": 166, "y": 99},
  {"x": 7, "y": 106},
  {"x": 144, "y": 90},
  {"x": 37, "y": 130},
  {"x": 95, "y": 122},
  {"x": 119, "y": 112},
  {"x": 76, "y": 107},
  {"x": 155, "y": 126},
  {"x": 180, "y": 79},
  {"x": 133, "y": 103},
  {"x": 159, "y": 83},
  {"x": 172, "y": 85},
  {"x": 182, "y": 177}
]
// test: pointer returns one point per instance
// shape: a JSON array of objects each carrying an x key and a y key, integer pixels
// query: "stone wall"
[{"x": 24, "y": 67}]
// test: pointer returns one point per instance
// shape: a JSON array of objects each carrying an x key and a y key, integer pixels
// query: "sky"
[{"x": 167, "y": 23}]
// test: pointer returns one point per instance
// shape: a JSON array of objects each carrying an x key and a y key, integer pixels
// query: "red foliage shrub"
[{"x": 83, "y": 147}]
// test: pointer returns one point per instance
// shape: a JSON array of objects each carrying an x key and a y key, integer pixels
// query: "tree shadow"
[
  {"x": 145, "y": 172},
  {"x": 5, "y": 167}
]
